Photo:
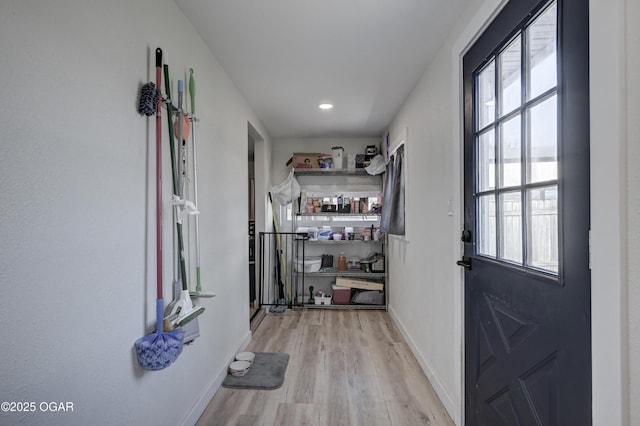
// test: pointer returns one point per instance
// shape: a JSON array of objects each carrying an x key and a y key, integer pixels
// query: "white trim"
[
  {"x": 401, "y": 139},
  {"x": 438, "y": 387},
  {"x": 607, "y": 63},
  {"x": 472, "y": 31},
  {"x": 209, "y": 392}
]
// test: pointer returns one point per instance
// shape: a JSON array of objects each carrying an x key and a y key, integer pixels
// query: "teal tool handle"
[{"x": 192, "y": 91}]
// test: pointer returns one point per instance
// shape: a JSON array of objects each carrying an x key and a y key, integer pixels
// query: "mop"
[
  {"x": 183, "y": 310},
  {"x": 160, "y": 349},
  {"x": 192, "y": 93}
]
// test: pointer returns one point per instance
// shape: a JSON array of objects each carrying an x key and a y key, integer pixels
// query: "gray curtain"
[{"x": 392, "y": 220}]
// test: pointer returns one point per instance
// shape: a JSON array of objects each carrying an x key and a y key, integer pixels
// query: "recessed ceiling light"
[{"x": 325, "y": 106}]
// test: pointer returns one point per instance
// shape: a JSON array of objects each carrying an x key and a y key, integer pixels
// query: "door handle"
[{"x": 465, "y": 262}]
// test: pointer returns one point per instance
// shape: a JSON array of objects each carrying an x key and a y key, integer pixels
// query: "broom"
[
  {"x": 183, "y": 311},
  {"x": 192, "y": 93},
  {"x": 158, "y": 350}
]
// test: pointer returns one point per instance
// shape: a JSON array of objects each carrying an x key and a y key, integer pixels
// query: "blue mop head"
[{"x": 158, "y": 350}]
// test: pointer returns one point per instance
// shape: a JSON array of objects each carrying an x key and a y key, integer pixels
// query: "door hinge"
[{"x": 590, "y": 248}]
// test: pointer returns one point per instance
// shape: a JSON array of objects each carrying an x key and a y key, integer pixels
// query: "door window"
[{"x": 516, "y": 149}]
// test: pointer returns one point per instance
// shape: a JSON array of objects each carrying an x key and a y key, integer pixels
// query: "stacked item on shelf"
[
  {"x": 337, "y": 160},
  {"x": 339, "y": 204},
  {"x": 365, "y": 292},
  {"x": 346, "y": 233},
  {"x": 322, "y": 299},
  {"x": 341, "y": 295}
]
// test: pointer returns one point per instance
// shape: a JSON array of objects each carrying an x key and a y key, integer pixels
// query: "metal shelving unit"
[
  {"x": 330, "y": 172},
  {"x": 331, "y": 182},
  {"x": 348, "y": 274}
]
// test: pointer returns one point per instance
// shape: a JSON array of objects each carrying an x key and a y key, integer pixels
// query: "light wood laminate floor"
[{"x": 346, "y": 367}]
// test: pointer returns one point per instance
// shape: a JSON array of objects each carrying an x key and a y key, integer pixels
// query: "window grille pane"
[
  {"x": 542, "y": 219},
  {"x": 517, "y": 149},
  {"x": 510, "y": 70},
  {"x": 511, "y": 151},
  {"x": 487, "y": 161},
  {"x": 543, "y": 141},
  {"x": 487, "y": 225},
  {"x": 486, "y": 89},
  {"x": 511, "y": 226},
  {"x": 541, "y": 53}
]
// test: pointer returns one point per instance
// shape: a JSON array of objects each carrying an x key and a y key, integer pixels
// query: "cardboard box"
[
  {"x": 305, "y": 160},
  {"x": 341, "y": 295},
  {"x": 361, "y": 284}
]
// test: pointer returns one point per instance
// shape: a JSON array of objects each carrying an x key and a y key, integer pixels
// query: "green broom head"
[
  {"x": 159, "y": 350},
  {"x": 189, "y": 316}
]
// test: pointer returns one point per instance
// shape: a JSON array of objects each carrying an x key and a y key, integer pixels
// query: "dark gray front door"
[{"x": 527, "y": 279}]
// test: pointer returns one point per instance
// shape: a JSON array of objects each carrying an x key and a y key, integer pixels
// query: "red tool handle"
[{"x": 159, "y": 175}]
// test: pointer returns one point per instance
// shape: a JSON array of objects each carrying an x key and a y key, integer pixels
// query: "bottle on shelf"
[{"x": 342, "y": 262}]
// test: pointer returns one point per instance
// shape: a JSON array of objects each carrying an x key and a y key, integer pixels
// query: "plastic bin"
[
  {"x": 322, "y": 300},
  {"x": 341, "y": 295},
  {"x": 311, "y": 264}
]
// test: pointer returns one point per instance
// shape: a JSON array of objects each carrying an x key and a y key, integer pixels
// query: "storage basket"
[{"x": 311, "y": 264}]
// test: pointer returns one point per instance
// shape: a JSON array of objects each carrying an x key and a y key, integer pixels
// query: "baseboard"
[
  {"x": 440, "y": 390},
  {"x": 204, "y": 399}
]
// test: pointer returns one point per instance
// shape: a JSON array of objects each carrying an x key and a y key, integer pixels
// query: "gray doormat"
[{"x": 266, "y": 372}]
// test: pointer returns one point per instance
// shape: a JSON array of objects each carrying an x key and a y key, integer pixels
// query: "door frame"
[
  {"x": 261, "y": 179},
  {"x": 610, "y": 400}
]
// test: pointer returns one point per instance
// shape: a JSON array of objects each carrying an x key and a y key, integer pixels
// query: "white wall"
[
  {"x": 426, "y": 301},
  {"x": 632, "y": 15},
  {"x": 77, "y": 259},
  {"x": 614, "y": 181},
  {"x": 425, "y": 294}
]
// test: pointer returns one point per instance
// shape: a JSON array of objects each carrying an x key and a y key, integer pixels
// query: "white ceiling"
[{"x": 288, "y": 56}]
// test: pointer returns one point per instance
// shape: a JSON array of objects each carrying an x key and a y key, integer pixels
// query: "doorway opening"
[
  {"x": 251, "y": 203},
  {"x": 256, "y": 178}
]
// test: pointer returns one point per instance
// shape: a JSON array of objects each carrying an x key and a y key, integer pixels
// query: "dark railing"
[{"x": 280, "y": 282}]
